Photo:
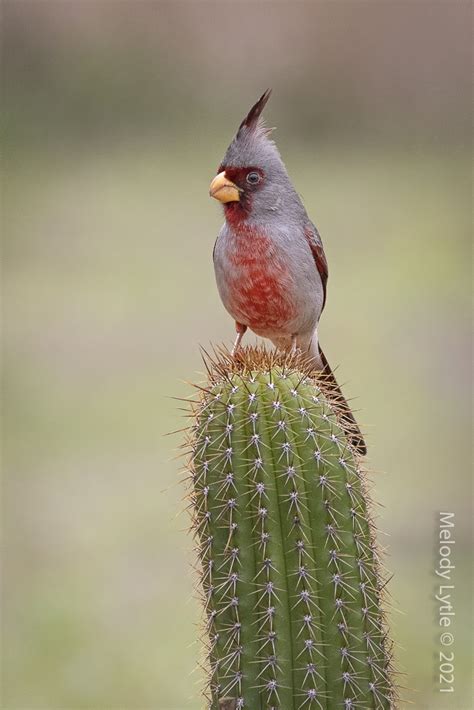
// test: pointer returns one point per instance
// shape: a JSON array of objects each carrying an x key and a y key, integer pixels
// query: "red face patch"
[
  {"x": 248, "y": 180},
  {"x": 243, "y": 177}
]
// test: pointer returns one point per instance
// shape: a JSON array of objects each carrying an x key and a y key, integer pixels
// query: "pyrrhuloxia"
[{"x": 269, "y": 260}]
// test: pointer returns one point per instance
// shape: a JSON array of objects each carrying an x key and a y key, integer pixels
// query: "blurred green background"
[{"x": 116, "y": 115}]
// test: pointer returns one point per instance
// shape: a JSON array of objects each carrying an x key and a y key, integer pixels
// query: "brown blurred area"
[
  {"x": 116, "y": 115},
  {"x": 375, "y": 68}
]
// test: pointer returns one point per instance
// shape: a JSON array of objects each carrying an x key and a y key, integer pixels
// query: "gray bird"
[{"x": 269, "y": 261}]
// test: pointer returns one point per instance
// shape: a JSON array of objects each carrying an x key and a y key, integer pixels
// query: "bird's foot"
[
  {"x": 236, "y": 345},
  {"x": 240, "y": 334}
]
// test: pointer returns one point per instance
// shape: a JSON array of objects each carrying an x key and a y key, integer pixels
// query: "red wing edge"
[{"x": 317, "y": 249}]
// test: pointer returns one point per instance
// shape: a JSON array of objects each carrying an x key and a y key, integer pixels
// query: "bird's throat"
[{"x": 237, "y": 213}]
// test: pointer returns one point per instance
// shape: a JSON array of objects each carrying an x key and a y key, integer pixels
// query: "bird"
[{"x": 269, "y": 261}]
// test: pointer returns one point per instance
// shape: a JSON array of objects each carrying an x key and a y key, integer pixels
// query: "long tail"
[{"x": 350, "y": 423}]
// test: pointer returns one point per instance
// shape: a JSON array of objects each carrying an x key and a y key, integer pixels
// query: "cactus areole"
[{"x": 289, "y": 571}]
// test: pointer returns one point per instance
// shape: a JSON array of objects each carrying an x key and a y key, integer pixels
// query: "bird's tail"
[{"x": 350, "y": 424}]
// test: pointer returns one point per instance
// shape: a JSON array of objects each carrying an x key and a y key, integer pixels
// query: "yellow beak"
[{"x": 223, "y": 189}]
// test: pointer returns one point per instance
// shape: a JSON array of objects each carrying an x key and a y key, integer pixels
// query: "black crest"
[{"x": 251, "y": 119}]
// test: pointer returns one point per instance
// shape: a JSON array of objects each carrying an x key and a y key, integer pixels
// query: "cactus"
[{"x": 289, "y": 570}]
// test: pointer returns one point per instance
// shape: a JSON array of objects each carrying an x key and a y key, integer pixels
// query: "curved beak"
[{"x": 223, "y": 189}]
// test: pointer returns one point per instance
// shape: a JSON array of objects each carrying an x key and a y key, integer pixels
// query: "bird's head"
[{"x": 251, "y": 181}]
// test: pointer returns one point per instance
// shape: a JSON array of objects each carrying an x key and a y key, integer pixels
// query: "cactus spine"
[{"x": 289, "y": 569}]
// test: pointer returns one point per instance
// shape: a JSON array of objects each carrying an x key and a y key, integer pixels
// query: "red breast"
[{"x": 259, "y": 283}]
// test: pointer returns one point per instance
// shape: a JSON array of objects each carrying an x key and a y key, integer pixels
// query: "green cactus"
[{"x": 289, "y": 569}]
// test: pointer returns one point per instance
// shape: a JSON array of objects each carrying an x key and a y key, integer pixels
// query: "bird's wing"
[{"x": 316, "y": 245}]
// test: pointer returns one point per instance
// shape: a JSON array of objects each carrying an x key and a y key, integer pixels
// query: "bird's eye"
[{"x": 253, "y": 178}]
